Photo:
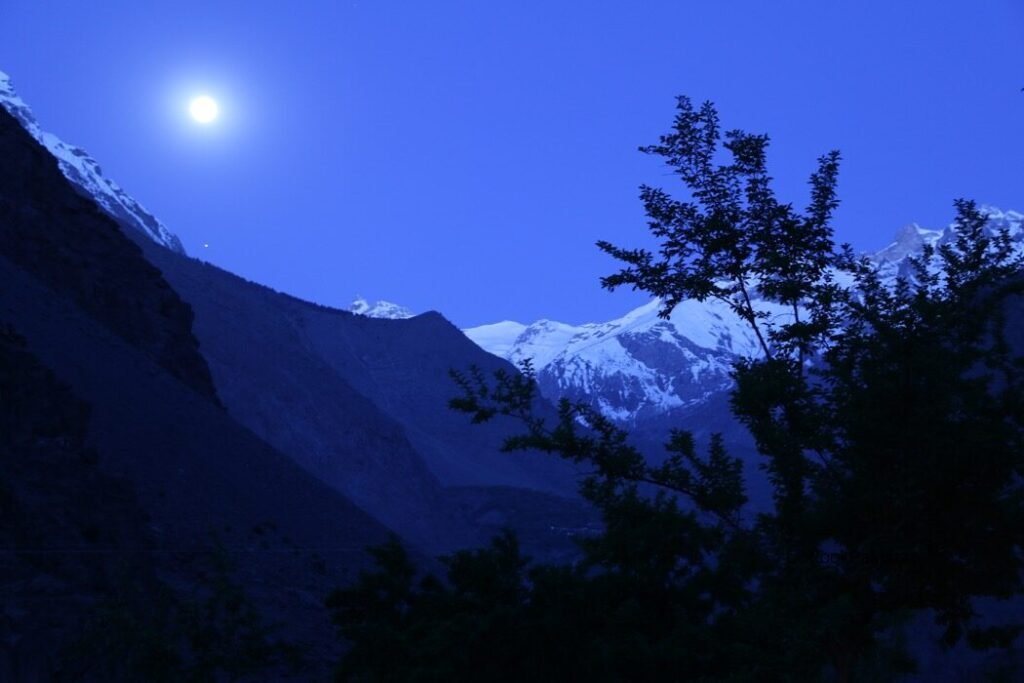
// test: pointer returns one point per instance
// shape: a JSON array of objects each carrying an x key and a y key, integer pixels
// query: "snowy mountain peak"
[
  {"x": 910, "y": 239},
  {"x": 14, "y": 104},
  {"x": 1012, "y": 221},
  {"x": 379, "y": 309},
  {"x": 83, "y": 172},
  {"x": 634, "y": 366},
  {"x": 641, "y": 365}
]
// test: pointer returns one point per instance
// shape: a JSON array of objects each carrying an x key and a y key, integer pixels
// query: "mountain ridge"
[
  {"x": 86, "y": 175},
  {"x": 357, "y": 399},
  {"x": 641, "y": 366},
  {"x": 359, "y": 402},
  {"x": 80, "y": 302}
]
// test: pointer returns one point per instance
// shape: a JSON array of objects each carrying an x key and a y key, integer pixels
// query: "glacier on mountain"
[{"x": 85, "y": 174}]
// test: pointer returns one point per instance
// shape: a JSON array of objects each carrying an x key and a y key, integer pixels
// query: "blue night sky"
[{"x": 464, "y": 156}]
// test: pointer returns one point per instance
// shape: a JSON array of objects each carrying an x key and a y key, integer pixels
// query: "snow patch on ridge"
[
  {"x": 83, "y": 171},
  {"x": 497, "y": 338},
  {"x": 379, "y": 309}
]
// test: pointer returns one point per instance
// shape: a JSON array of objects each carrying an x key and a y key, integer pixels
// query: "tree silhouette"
[{"x": 889, "y": 421}]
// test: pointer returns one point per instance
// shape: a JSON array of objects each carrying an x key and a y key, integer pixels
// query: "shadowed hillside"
[
  {"x": 362, "y": 403},
  {"x": 66, "y": 242},
  {"x": 176, "y": 481}
]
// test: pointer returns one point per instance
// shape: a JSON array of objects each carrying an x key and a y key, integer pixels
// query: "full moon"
[{"x": 204, "y": 109}]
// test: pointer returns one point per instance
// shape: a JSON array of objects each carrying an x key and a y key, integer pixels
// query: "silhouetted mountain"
[
  {"x": 69, "y": 244},
  {"x": 362, "y": 403},
  {"x": 100, "y": 318}
]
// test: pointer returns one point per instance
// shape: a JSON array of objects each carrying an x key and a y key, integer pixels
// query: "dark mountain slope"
[
  {"x": 193, "y": 466},
  {"x": 104, "y": 322},
  {"x": 362, "y": 404},
  {"x": 404, "y": 366},
  {"x": 271, "y": 382},
  {"x": 363, "y": 407},
  {"x": 68, "y": 243},
  {"x": 58, "y": 516},
  {"x": 201, "y": 478}
]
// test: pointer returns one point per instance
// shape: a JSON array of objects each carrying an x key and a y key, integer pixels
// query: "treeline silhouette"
[{"x": 888, "y": 418}]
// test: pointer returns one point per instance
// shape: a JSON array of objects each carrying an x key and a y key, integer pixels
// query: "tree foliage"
[{"x": 888, "y": 418}]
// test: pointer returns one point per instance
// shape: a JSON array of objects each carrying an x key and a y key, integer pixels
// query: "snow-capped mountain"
[
  {"x": 911, "y": 239},
  {"x": 641, "y": 366},
  {"x": 85, "y": 174},
  {"x": 633, "y": 366},
  {"x": 379, "y": 309}
]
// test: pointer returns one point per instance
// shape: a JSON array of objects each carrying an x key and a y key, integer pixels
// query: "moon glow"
[{"x": 204, "y": 109}]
